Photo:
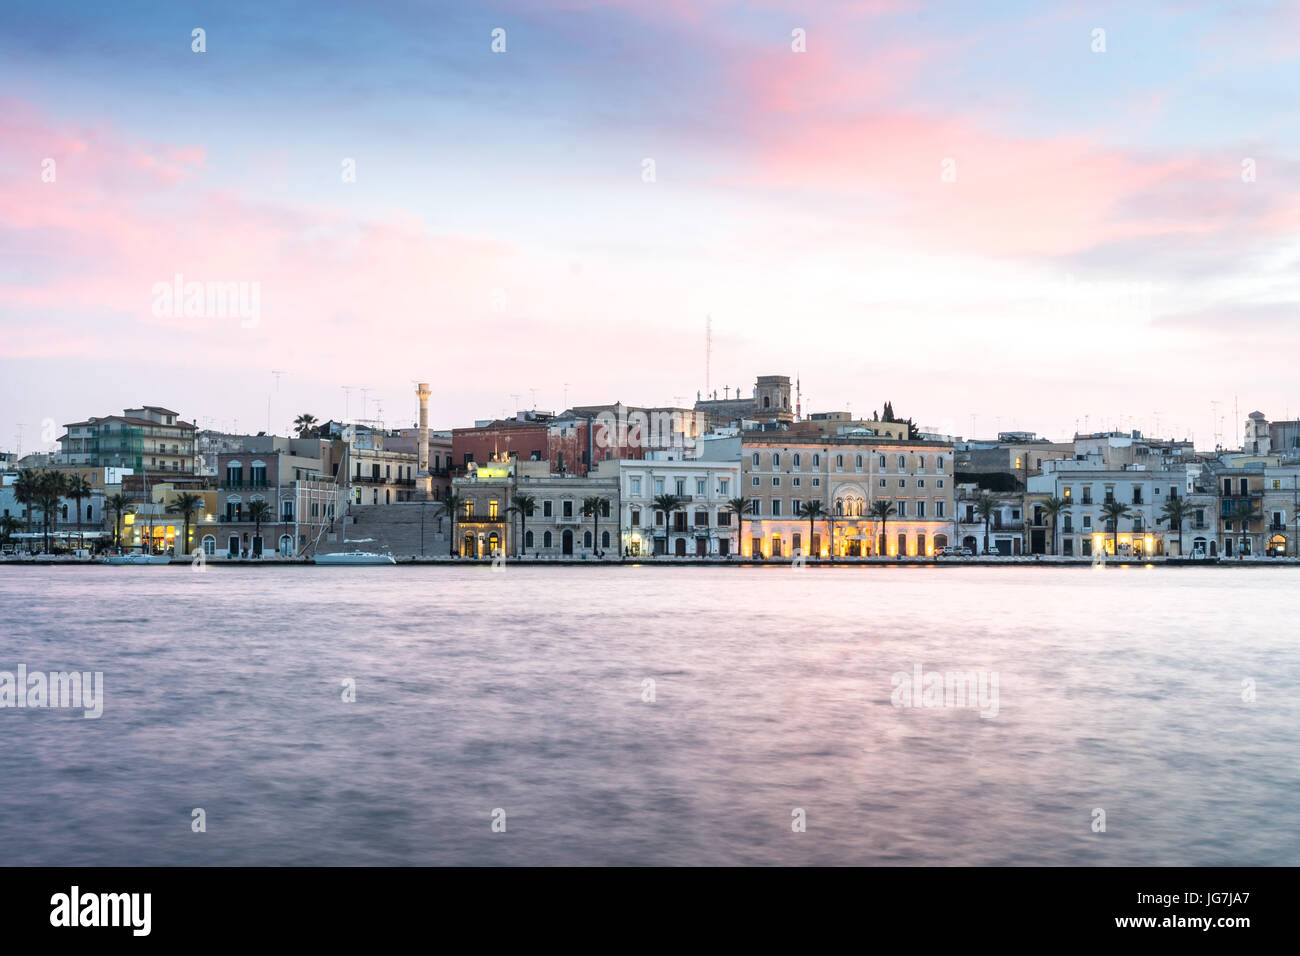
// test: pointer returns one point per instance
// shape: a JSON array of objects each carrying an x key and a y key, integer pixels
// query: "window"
[
  {"x": 776, "y": 479},
  {"x": 776, "y": 507},
  {"x": 796, "y": 459},
  {"x": 882, "y": 463},
  {"x": 938, "y": 508},
  {"x": 902, "y": 508},
  {"x": 679, "y": 487},
  {"x": 902, "y": 463},
  {"x": 723, "y": 485},
  {"x": 776, "y": 460},
  {"x": 839, "y": 462},
  {"x": 795, "y": 481},
  {"x": 659, "y": 486},
  {"x": 754, "y": 481},
  {"x": 701, "y": 486},
  {"x": 858, "y": 463},
  {"x": 902, "y": 482},
  {"x": 920, "y": 482},
  {"x": 817, "y": 482},
  {"x": 939, "y": 482},
  {"x": 755, "y": 459},
  {"x": 528, "y": 539},
  {"x": 817, "y": 461},
  {"x": 567, "y": 506},
  {"x": 939, "y": 463},
  {"x": 634, "y": 517},
  {"x": 883, "y": 482},
  {"x": 636, "y": 486},
  {"x": 548, "y": 510}
]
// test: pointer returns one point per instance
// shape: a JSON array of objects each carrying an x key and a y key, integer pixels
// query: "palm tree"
[
  {"x": 986, "y": 506},
  {"x": 1246, "y": 512},
  {"x": 9, "y": 526},
  {"x": 26, "y": 493},
  {"x": 79, "y": 488},
  {"x": 258, "y": 511},
  {"x": 882, "y": 511},
  {"x": 1052, "y": 508},
  {"x": 812, "y": 510},
  {"x": 186, "y": 504},
  {"x": 592, "y": 505},
  {"x": 305, "y": 424},
  {"x": 523, "y": 506},
  {"x": 451, "y": 506},
  {"x": 667, "y": 504},
  {"x": 1112, "y": 511},
  {"x": 738, "y": 507},
  {"x": 1176, "y": 511},
  {"x": 50, "y": 489},
  {"x": 119, "y": 505}
]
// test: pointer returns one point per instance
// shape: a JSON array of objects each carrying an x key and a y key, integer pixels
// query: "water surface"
[{"x": 1120, "y": 689}]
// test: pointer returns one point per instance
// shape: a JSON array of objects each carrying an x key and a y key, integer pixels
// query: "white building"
[{"x": 702, "y": 526}]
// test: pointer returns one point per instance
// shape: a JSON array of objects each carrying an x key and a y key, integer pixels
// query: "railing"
[
  {"x": 568, "y": 519},
  {"x": 229, "y": 485}
]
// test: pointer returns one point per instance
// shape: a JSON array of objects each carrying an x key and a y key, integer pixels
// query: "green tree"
[
  {"x": 812, "y": 510},
  {"x": 185, "y": 504},
  {"x": 27, "y": 493},
  {"x": 739, "y": 507},
  {"x": 258, "y": 511},
  {"x": 119, "y": 505},
  {"x": 523, "y": 506},
  {"x": 882, "y": 511},
  {"x": 1245, "y": 512},
  {"x": 451, "y": 506},
  {"x": 79, "y": 488},
  {"x": 305, "y": 424},
  {"x": 1176, "y": 511},
  {"x": 50, "y": 491},
  {"x": 668, "y": 504},
  {"x": 9, "y": 526},
  {"x": 1053, "y": 508},
  {"x": 1112, "y": 511},
  {"x": 591, "y": 507},
  {"x": 986, "y": 506}
]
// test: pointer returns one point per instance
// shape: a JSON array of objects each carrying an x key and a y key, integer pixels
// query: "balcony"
[
  {"x": 236, "y": 485},
  {"x": 479, "y": 519},
  {"x": 569, "y": 519}
]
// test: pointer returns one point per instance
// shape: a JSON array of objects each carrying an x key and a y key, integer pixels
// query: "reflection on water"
[{"x": 655, "y": 715}]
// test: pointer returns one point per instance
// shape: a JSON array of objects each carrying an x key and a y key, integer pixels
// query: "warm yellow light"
[{"x": 128, "y": 518}]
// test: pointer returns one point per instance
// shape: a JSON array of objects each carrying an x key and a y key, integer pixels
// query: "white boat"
[
  {"x": 137, "y": 558},
  {"x": 354, "y": 557}
]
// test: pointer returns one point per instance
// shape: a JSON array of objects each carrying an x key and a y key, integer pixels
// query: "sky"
[{"x": 997, "y": 216}]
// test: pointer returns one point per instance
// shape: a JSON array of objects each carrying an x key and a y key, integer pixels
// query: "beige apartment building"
[{"x": 780, "y": 472}]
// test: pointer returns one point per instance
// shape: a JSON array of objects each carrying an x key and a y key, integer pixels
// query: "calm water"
[{"x": 1119, "y": 689}]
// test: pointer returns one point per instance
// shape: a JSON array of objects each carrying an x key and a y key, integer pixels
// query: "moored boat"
[
  {"x": 354, "y": 557},
  {"x": 137, "y": 558}
]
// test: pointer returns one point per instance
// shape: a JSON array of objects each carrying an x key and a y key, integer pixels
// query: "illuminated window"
[{"x": 492, "y": 509}]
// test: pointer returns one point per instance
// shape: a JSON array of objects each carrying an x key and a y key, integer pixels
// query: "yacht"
[
  {"x": 354, "y": 557},
  {"x": 136, "y": 557}
]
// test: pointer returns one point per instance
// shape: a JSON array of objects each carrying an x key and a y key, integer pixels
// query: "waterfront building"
[
  {"x": 701, "y": 526},
  {"x": 846, "y": 475},
  {"x": 292, "y": 477},
  {"x": 146, "y": 439},
  {"x": 771, "y": 401}
]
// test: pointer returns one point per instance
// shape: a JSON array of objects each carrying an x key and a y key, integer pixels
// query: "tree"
[
  {"x": 1176, "y": 511},
  {"x": 451, "y": 507},
  {"x": 258, "y": 511},
  {"x": 667, "y": 504},
  {"x": 812, "y": 510},
  {"x": 882, "y": 511},
  {"x": 79, "y": 488},
  {"x": 1246, "y": 512},
  {"x": 591, "y": 506},
  {"x": 523, "y": 506},
  {"x": 119, "y": 505},
  {"x": 27, "y": 493},
  {"x": 185, "y": 504},
  {"x": 738, "y": 507},
  {"x": 888, "y": 414},
  {"x": 1112, "y": 511},
  {"x": 306, "y": 425},
  {"x": 1052, "y": 508},
  {"x": 986, "y": 506},
  {"x": 9, "y": 526},
  {"x": 50, "y": 488}
]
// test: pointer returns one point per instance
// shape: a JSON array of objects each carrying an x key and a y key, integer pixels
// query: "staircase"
[{"x": 393, "y": 528}]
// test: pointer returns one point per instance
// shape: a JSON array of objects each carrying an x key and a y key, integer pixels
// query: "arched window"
[
  {"x": 528, "y": 539},
  {"x": 604, "y": 539},
  {"x": 586, "y": 539},
  {"x": 767, "y": 402},
  {"x": 209, "y": 544},
  {"x": 546, "y": 540},
  {"x": 776, "y": 460},
  {"x": 796, "y": 459},
  {"x": 858, "y": 463},
  {"x": 839, "y": 506},
  {"x": 902, "y": 462}
]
